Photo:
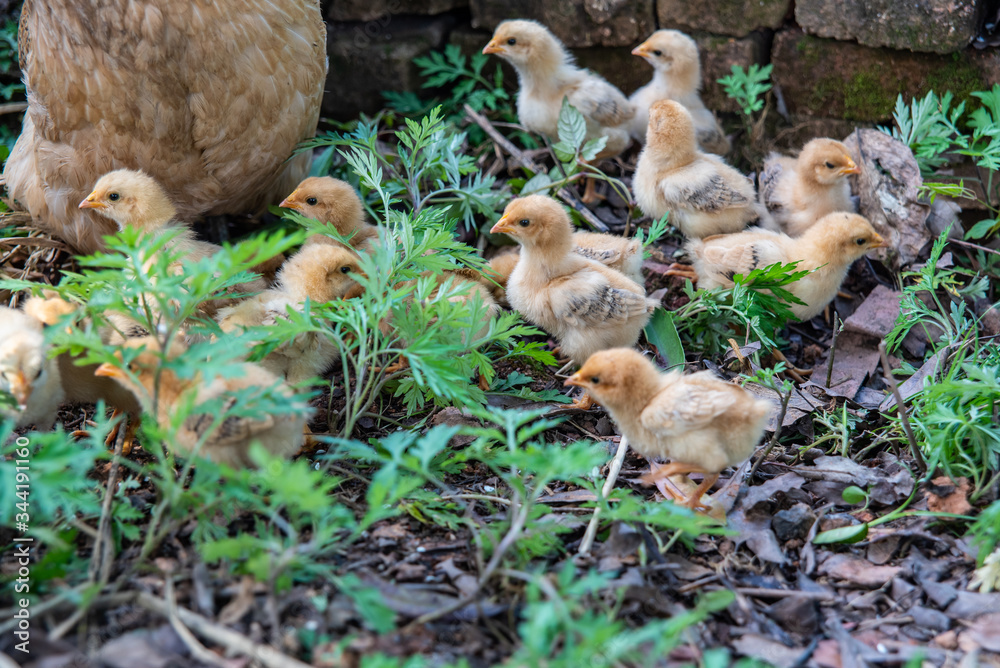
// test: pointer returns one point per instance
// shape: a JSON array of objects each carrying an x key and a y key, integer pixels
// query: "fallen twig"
[
  {"x": 763, "y": 592},
  {"x": 209, "y": 630},
  {"x": 609, "y": 484},
  {"x": 774, "y": 438},
  {"x": 901, "y": 407},
  {"x": 833, "y": 350},
  {"x": 198, "y": 651},
  {"x": 563, "y": 193}
]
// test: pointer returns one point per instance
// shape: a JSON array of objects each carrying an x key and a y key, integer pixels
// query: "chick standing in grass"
[
  {"x": 701, "y": 423},
  {"x": 547, "y": 74},
  {"x": 828, "y": 248},
  {"x": 799, "y": 191},
  {"x": 320, "y": 273},
  {"x": 703, "y": 194},
  {"x": 134, "y": 199},
  {"x": 227, "y": 442},
  {"x": 333, "y": 201},
  {"x": 676, "y": 76},
  {"x": 585, "y": 305},
  {"x": 79, "y": 382},
  {"x": 26, "y": 372}
]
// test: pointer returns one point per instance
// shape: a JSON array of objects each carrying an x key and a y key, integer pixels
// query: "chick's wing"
[
  {"x": 702, "y": 187},
  {"x": 596, "y": 99},
  {"x": 589, "y": 300},
  {"x": 735, "y": 257},
  {"x": 688, "y": 408},
  {"x": 233, "y": 430}
]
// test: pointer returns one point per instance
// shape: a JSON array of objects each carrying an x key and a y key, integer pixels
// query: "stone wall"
[{"x": 842, "y": 59}]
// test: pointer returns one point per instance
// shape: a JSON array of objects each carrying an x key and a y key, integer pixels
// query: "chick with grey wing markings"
[{"x": 703, "y": 195}]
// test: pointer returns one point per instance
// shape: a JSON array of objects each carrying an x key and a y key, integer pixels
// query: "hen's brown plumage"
[{"x": 210, "y": 98}]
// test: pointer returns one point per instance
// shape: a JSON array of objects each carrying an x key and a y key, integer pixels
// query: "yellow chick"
[
  {"x": 585, "y": 305},
  {"x": 333, "y": 201},
  {"x": 703, "y": 194},
  {"x": 701, "y": 423},
  {"x": 227, "y": 442},
  {"x": 676, "y": 76},
  {"x": 829, "y": 248},
  {"x": 321, "y": 273},
  {"x": 79, "y": 383},
  {"x": 134, "y": 199},
  {"x": 547, "y": 74},
  {"x": 799, "y": 191},
  {"x": 26, "y": 372}
]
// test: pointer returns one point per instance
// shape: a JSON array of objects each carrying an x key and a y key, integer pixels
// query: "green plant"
[
  {"x": 757, "y": 304},
  {"x": 748, "y": 88},
  {"x": 573, "y": 154},
  {"x": 428, "y": 168},
  {"x": 929, "y": 127}
]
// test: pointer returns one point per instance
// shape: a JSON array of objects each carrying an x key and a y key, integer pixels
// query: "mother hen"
[{"x": 209, "y": 97}]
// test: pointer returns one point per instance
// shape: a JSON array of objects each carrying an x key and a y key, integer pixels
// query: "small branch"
[
  {"x": 609, "y": 484},
  {"x": 763, "y": 592},
  {"x": 969, "y": 245},
  {"x": 198, "y": 651},
  {"x": 13, "y": 107},
  {"x": 901, "y": 407},
  {"x": 833, "y": 350},
  {"x": 519, "y": 156},
  {"x": 209, "y": 630},
  {"x": 774, "y": 438}
]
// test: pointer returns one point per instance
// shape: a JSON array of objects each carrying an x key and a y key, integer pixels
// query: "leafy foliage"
[
  {"x": 747, "y": 87},
  {"x": 929, "y": 127}
]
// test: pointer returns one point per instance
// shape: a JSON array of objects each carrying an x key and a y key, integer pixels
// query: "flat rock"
[
  {"x": 586, "y": 23},
  {"x": 854, "y": 360},
  {"x": 827, "y": 78},
  {"x": 941, "y": 26},
  {"x": 877, "y": 314},
  {"x": 383, "y": 10},
  {"x": 794, "y": 522},
  {"x": 728, "y": 17},
  {"x": 857, "y": 571}
]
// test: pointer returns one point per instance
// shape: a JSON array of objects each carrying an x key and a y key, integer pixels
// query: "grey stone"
[
  {"x": 370, "y": 10},
  {"x": 376, "y": 56},
  {"x": 587, "y": 23},
  {"x": 931, "y": 619},
  {"x": 729, "y": 17},
  {"x": 793, "y": 523},
  {"x": 939, "y": 26}
]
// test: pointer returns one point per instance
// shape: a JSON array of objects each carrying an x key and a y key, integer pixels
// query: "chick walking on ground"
[
  {"x": 799, "y": 191},
  {"x": 333, "y": 201},
  {"x": 585, "y": 305},
  {"x": 703, "y": 194},
  {"x": 547, "y": 74},
  {"x": 676, "y": 76},
  {"x": 701, "y": 423},
  {"x": 226, "y": 442},
  {"x": 829, "y": 248}
]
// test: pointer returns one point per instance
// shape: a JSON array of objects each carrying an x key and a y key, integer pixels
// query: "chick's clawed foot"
[
  {"x": 583, "y": 403},
  {"x": 674, "y": 468},
  {"x": 590, "y": 194},
  {"x": 683, "y": 270}
]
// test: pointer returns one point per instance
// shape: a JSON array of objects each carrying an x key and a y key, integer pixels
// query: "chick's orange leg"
[
  {"x": 131, "y": 425},
  {"x": 590, "y": 194},
  {"x": 584, "y": 403},
  {"x": 792, "y": 369},
  {"x": 399, "y": 365},
  {"x": 674, "y": 468},
  {"x": 682, "y": 270}
]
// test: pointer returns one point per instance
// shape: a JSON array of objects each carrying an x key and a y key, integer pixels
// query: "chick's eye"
[
  {"x": 512, "y": 41},
  {"x": 595, "y": 379},
  {"x": 345, "y": 270},
  {"x": 114, "y": 197},
  {"x": 524, "y": 222},
  {"x": 657, "y": 53},
  {"x": 38, "y": 373},
  {"x": 860, "y": 242},
  {"x": 311, "y": 201},
  {"x": 830, "y": 165}
]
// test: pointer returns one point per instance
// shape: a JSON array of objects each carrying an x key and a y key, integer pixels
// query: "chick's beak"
[
  {"x": 92, "y": 203},
  {"x": 504, "y": 226},
  {"x": 851, "y": 168},
  {"x": 290, "y": 202},
  {"x": 493, "y": 47},
  {"x": 108, "y": 371},
  {"x": 576, "y": 380},
  {"x": 21, "y": 389},
  {"x": 879, "y": 242},
  {"x": 640, "y": 51}
]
